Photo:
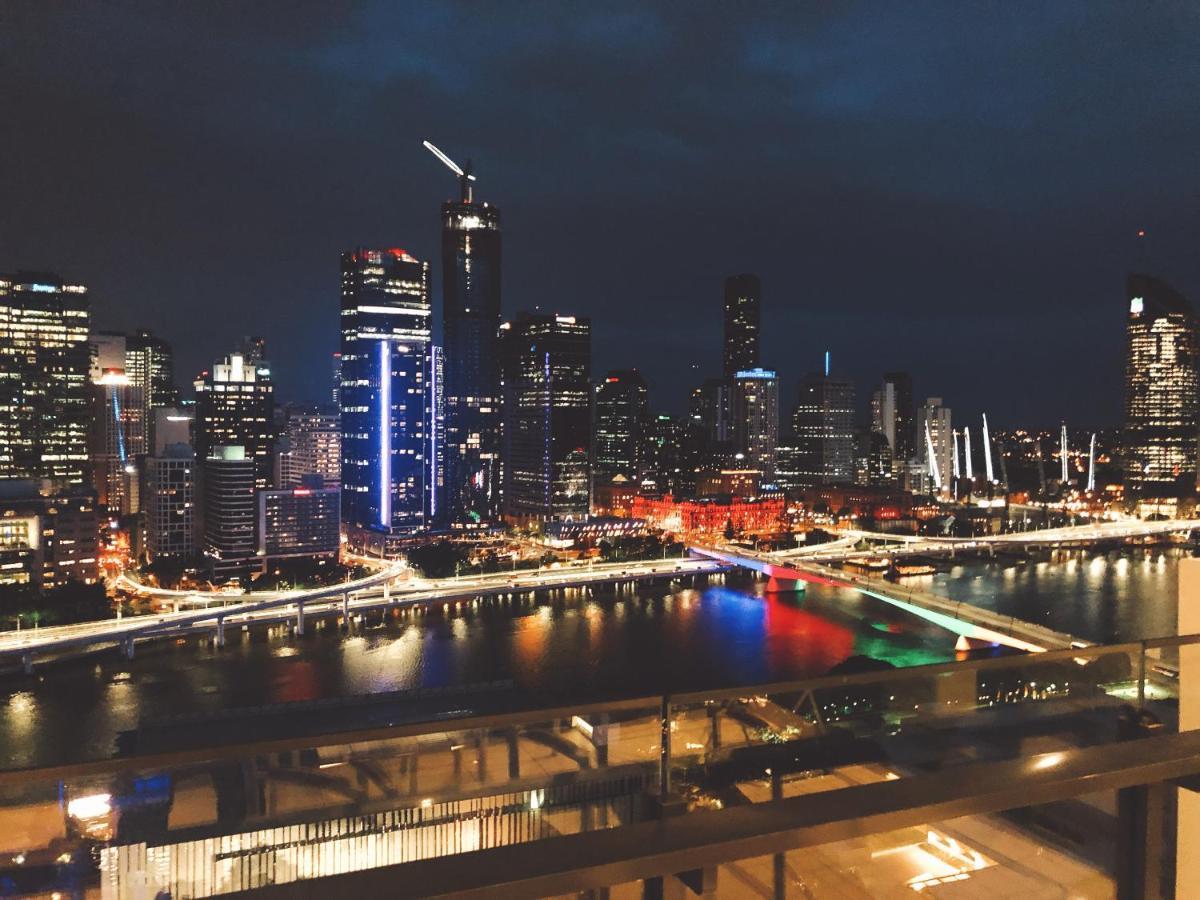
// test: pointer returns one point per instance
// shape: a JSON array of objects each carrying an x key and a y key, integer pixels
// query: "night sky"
[{"x": 954, "y": 189}]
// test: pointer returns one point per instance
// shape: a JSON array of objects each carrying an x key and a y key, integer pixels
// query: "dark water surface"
[{"x": 576, "y": 645}]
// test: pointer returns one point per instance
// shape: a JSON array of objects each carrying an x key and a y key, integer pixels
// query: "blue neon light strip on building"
[{"x": 385, "y": 435}]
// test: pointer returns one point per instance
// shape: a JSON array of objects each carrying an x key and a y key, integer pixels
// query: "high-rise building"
[
  {"x": 743, "y": 299},
  {"x": 1162, "y": 418},
  {"x": 756, "y": 418},
  {"x": 48, "y": 535},
  {"x": 150, "y": 364},
  {"x": 118, "y": 439},
  {"x": 873, "y": 465},
  {"x": 470, "y": 319},
  {"x": 337, "y": 378},
  {"x": 301, "y": 521},
  {"x": 386, "y": 394},
  {"x": 546, "y": 374},
  {"x": 254, "y": 349},
  {"x": 228, "y": 478},
  {"x": 712, "y": 404},
  {"x": 823, "y": 430},
  {"x": 235, "y": 407},
  {"x": 170, "y": 425},
  {"x": 883, "y": 412},
  {"x": 622, "y": 414},
  {"x": 936, "y": 453},
  {"x": 169, "y": 502},
  {"x": 312, "y": 446},
  {"x": 45, "y": 406},
  {"x": 903, "y": 438}
]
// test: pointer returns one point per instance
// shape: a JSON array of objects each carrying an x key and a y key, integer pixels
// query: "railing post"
[
  {"x": 664, "y": 750},
  {"x": 1141, "y": 685}
]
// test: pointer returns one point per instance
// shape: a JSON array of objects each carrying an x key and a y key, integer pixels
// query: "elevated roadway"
[{"x": 375, "y": 591}]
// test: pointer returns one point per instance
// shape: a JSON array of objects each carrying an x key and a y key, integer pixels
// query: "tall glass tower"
[
  {"x": 1161, "y": 405},
  {"x": 45, "y": 405},
  {"x": 470, "y": 319},
  {"x": 385, "y": 393},
  {"x": 743, "y": 301},
  {"x": 547, "y": 363}
]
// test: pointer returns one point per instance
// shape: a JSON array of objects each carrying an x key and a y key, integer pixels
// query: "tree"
[{"x": 439, "y": 559}]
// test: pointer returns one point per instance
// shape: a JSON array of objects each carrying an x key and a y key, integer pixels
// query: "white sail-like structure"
[
  {"x": 1062, "y": 453},
  {"x": 1091, "y": 482},
  {"x": 934, "y": 473},
  {"x": 987, "y": 452}
]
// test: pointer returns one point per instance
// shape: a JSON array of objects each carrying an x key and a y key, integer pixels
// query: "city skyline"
[{"x": 953, "y": 221}]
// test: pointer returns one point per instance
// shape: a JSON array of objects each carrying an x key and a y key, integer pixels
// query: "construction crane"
[{"x": 464, "y": 175}]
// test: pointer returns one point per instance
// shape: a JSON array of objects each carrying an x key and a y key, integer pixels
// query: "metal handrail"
[{"x": 653, "y": 702}]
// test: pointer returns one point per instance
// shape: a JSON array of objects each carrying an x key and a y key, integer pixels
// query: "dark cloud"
[{"x": 950, "y": 188}]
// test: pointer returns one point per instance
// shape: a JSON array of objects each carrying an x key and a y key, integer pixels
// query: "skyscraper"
[
  {"x": 936, "y": 454},
  {"x": 903, "y": 439},
  {"x": 44, "y": 362},
  {"x": 823, "y": 429},
  {"x": 228, "y": 476},
  {"x": 546, "y": 372},
  {"x": 743, "y": 298},
  {"x": 470, "y": 319},
  {"x": 621, "y": 414},
  {"x": 118, "y": 439},
  {"x": 385, "y": 394},
  {"x": 1161, "y": 412},
  {"x": 169, "y": 501},
  {"x": 314, "y": 447},
  {"x": 150, "y": 364},
  {"x": 235, "y": 407},
  {"x": 756, "y": 418}
]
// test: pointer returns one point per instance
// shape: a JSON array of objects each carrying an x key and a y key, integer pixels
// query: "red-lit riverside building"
[{"x": 710, "y": 514}]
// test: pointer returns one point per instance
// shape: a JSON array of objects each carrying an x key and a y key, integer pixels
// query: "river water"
[{"x": 575, "y": 645}]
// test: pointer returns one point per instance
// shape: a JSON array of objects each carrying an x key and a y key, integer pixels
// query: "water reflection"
[{"x": 572, "y": 645}]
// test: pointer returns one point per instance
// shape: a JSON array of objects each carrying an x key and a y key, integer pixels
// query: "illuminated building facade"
[
  {"x": 150, "y": 364},
  {"x": 44, "y": 360},
  {"x": 302, "y": 521},
  {"x": 743, "y": 301},
  {"x": 1161, "y": 384},
  {"x": 673, "y": 450},
  {"x": 756, "y": 418},
  {"x": 169, "y": 502},
  {"x": 313, "y": 446},
  {"x": 386, "y": 393},
  {"x": 711, "y": 515},
  {"x": 936, "y": 453},
  {"x": 902, "y": 434},
  {"x": 470, "y": 319},
  {"x": 228, "y": 477},
  {"x": 47, "y": 539},
  {"x": 118, "y": 440},
  {"x": 622, "y": 415},
  {"x": 823, "y": 428},
  {"x": 235, "y": 407},
  {"x": 546, "y": 378}
]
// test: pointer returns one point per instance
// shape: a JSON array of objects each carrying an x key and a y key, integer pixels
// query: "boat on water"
[
  {"x": 903, "y": 569},
  {"x": 868, "y": 564}
]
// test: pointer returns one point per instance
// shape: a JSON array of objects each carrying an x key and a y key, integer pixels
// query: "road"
[{"x": 375, "y": 591}]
